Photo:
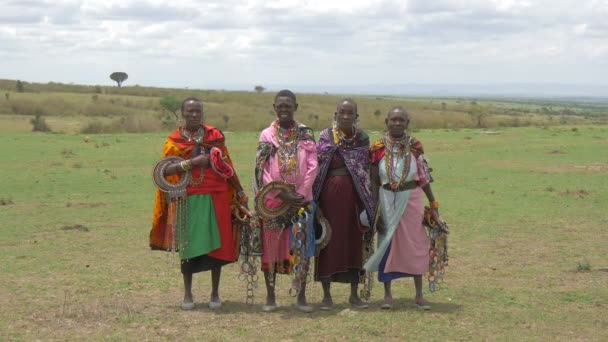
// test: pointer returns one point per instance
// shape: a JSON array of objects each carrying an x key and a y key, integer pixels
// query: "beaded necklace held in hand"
[
  {"x": 287, "y": 151},
  {"x": 396, "y": 148}
]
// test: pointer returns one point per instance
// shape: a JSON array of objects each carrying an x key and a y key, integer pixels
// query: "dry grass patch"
[
  {"x": 87, "y": 205},
  {"x": 581, "y": 193},
  {"x": 556, "y": 152},
  {"x": 77, "y": 227},
  {"x": 595, "y": 167}
]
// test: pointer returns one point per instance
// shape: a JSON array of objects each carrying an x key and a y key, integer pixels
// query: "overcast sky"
[{"x": 306, "y": 45}]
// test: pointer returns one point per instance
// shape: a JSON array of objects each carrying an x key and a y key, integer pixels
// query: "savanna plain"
[{"x": 525, "y": 195}]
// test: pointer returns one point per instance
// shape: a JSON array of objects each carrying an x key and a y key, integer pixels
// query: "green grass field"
[{"x": 526, "y": 207}]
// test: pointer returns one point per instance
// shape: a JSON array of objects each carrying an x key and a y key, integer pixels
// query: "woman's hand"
[
  {"x": 294, "y": 199},
  {"x": 436, "y": 217},
  {"x": 201, "y": 159}
]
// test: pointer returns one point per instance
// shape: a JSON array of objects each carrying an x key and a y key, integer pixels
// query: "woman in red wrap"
[{"x": 211, "y": 240}]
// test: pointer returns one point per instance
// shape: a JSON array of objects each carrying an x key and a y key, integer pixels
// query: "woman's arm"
[
  {"x": 433, "y": 204},
  {"x": 187, "y": 165}
]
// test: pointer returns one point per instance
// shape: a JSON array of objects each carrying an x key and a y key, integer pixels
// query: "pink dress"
[{"x": 276, "y": 242}]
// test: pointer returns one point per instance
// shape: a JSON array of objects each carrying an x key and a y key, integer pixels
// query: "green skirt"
[{"x": 203, "y": 236}]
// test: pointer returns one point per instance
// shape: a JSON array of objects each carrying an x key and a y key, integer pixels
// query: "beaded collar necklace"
[
  {"x": 341, "y": 140},
  {"x": 396, "y": 148},
  {"x": 287, "y": 150},
  {"x": 192, "y": 136}
]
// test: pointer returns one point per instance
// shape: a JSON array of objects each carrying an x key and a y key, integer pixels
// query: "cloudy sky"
[{"x": 314, "y": 45}]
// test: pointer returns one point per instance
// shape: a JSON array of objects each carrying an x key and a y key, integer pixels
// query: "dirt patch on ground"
[
  {"x": 67, "y": 153},
  {"x": 87, "y": 205},
  {"x": 556, "y": 152},
  {"x": 77, "y": 227},
  {"x": 6, "y": 201},
  {"x": 581, "y": 193},
  {"x": 597, "y": 167}
]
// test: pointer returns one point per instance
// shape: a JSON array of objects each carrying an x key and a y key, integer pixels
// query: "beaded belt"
[{"x": 402, "y": 187}]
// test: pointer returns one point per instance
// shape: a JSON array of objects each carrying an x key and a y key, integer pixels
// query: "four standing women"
[{"x": 287, "y": 152}]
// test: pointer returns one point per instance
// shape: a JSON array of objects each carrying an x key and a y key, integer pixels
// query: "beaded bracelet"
[
  {"x": 186, "y": 165},
  {"x": 242, "y": 197},
  {"x": 434, "y": 204}
]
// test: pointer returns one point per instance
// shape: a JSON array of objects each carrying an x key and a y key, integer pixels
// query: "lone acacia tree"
[
  {"x": 478, "y": 114},
  {"x": 19, "y": 86},
  {"x": 172, "y": 104},
  {"x": 259, "y": 89},
  {"x": 119, "y": 77}
]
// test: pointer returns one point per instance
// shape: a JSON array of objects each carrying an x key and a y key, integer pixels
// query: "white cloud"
[
  {"x": 580, "y": 28},
  {"x": 237, "y": 43}
]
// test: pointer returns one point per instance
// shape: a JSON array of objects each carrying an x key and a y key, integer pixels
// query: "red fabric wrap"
[
  {"x": 221, "y": 191},
  {"x": 219, "y": 166}
]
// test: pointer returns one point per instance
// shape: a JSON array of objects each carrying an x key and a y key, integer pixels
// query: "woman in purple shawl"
[{"x": 342, "y": 191}]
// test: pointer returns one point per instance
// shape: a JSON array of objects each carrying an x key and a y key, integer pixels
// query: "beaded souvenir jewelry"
[
  {"x": 250, "y": 249},
  {"x": 287, "y": 151},
  {"x": 438, "y": 251},
  {"x": 341, "y": 140},
  {"x": 396, "y": 148},
  {"x": 192, "y": 136},
  {"x": 177, "y": 213},
  {"x": 268, "y": 214}
]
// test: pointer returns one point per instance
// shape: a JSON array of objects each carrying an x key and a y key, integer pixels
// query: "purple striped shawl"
[{"x": 357, "y": 160}]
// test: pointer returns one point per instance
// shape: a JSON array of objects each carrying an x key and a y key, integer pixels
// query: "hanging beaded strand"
[
  {"x": 192, "y": 136},
  {"x": 396, "y": 148},
  {"x": 287, "y": 151}
]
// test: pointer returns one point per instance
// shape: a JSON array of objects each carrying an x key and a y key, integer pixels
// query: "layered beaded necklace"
[
  {"x": 196, "y": 137},
  {"x": 341, "y": 140},
  {"x": 192, "y": 136},
  {"x": 287, "y": 151},
  {"x": 395, "y": 149}
]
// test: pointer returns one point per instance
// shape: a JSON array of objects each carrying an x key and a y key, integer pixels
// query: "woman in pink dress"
[
  {"x": 400, "y": 180},
  {"x": 287, "y": 153}
]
